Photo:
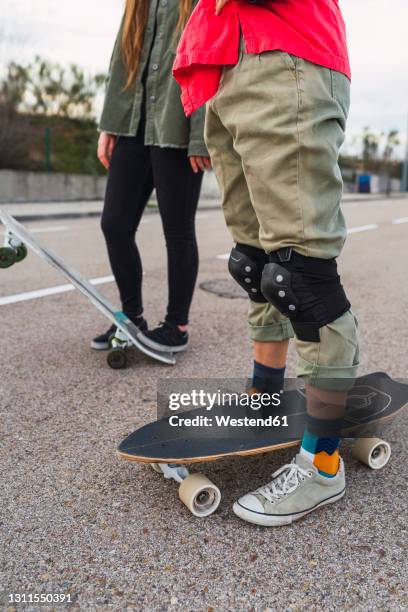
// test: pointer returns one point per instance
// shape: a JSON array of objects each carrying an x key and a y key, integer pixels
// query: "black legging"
[{"x": 135, "y": 169}]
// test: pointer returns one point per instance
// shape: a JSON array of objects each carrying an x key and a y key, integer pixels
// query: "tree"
[
  {"x": 41, "y": 96},
  {"x": 391, "y": 141},
  {"x": 370, "y": 143},
  {"x": 14, "y": 132},
  {"x": 46, "y": 88}
]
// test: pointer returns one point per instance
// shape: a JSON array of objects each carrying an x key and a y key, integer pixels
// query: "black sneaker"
[
  {"x": 167, "y": 337},
  {"x": 101, "y": 343}
]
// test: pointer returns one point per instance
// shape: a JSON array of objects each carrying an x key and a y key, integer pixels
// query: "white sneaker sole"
[
  {"x": 276, "y": 520},
  {"x": 99, "y": 346}
]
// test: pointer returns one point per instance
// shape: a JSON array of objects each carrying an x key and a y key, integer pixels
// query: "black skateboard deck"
[
  {"x": 18, "y": 236},
  {"x": 373, "y": 400}
]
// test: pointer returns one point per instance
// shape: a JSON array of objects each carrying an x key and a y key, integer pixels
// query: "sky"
[{"x": 83, "y": 31}]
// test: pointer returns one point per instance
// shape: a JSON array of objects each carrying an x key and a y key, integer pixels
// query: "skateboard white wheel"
[
  {"x": 117, "y": 359},
  {"x": 156, "y": 467},
  {"x": 7, "y": 257},
  {"x": 200, "y": 495},
  {"x": 372, "y": 452},
  {"x": 21, "y": 252}
]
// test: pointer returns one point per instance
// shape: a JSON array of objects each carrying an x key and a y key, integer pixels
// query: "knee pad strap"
[
  {"x": 305, "y": 289},
  {"x": 245, "y": 265}
]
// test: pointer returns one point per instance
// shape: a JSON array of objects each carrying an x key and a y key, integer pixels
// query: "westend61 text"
[{"x": 228, "y": 421}]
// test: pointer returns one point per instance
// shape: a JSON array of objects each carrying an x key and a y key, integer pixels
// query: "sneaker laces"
[{"x": 284, "y": 481}]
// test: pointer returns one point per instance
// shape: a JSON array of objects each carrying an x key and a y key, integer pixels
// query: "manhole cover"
[{"x": 224, "y": 287}]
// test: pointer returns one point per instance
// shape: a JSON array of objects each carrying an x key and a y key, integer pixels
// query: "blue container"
[{"x": 364, "y": 183}]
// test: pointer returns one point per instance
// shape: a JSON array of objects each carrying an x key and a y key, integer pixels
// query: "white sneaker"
[{"x": 295, "y": 490}]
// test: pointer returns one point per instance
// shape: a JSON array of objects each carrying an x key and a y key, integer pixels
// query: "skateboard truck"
[
  {"x": 196, "y": 491},
  {"x": 13, "y": 250}
]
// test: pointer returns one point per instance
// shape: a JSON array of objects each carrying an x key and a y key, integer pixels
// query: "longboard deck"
[
  {"x": 84, "y": 286},
  {"x": 374, "y": 399}
]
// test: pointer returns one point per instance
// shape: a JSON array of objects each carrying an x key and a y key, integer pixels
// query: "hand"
[
  {"x": 219, "y": 5},
  {"x": 200, "y": 162},
  {"x": 106, "y": 144}
]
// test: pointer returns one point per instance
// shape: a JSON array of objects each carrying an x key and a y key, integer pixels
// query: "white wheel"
[
  {"x": 372, "y": 452},
  {"x": 200, "y": 495},
  {"x": 156, "y": 467}
]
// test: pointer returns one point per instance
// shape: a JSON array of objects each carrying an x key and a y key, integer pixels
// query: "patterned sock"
[
  {"x": 266, "y": 379},
  {"x": 320, "y": 444}
]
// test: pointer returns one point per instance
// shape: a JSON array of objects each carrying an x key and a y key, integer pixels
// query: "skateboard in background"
[{"x": 17, "y": 239}]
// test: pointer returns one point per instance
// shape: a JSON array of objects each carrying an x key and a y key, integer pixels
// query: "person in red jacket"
[{"x": 276, "y": 78}]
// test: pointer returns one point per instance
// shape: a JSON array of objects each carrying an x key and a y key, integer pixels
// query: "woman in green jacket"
[{"x": 146, "y": 142}]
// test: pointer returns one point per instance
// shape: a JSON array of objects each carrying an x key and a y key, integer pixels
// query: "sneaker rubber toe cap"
[{"x": 248, "y": 503}]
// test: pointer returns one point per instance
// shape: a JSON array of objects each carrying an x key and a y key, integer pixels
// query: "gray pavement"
[{"x": 74, "y": 519}]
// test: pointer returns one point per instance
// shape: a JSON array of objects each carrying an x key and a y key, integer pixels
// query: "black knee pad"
[
  {"x": 245, "y": 265},
  {"x": 305, "y": 289}
]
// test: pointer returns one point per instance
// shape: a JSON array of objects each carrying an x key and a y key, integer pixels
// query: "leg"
[
  {"x": 269, "y": 330},
  {"x": 291, "y": 168},
  {"x": 129, "y": 186},
  {"x": 290, "y": 164},
  {"x": 271, "y": 354},
  {"x": 178, "y": 191}
]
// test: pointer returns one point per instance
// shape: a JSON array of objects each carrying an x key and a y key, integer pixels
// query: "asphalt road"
[{"x": 74, "y": 519}]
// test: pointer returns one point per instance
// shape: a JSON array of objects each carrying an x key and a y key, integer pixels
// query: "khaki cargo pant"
[{"x": 274, "y": 130}]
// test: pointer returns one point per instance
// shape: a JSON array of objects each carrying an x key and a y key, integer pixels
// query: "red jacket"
[{"x": 311, "y": 29}]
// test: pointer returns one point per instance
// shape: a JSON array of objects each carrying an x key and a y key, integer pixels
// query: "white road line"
[
  {"x": 39, "y": 293},
  {"x": 45, "y": 230},
  {"x": 399, "y": 221},
  {"x": 362, "y": 228},
  {"x": 61, "y": 228}
]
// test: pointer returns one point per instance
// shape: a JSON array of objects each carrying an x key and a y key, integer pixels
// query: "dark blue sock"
[{"x": 266, "y": 379}]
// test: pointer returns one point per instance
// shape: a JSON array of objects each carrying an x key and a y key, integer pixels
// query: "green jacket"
[{"x": 166, "y": 123}]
